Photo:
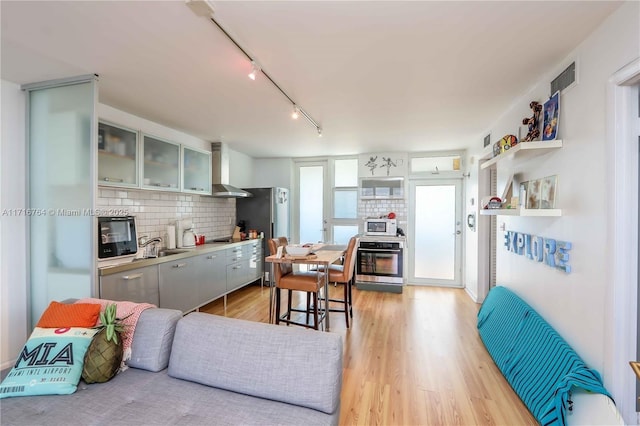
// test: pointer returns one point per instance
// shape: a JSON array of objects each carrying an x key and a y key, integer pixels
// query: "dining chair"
[
  {"x": 309, "y": 282},
  {"x": 344, "y": 274}
]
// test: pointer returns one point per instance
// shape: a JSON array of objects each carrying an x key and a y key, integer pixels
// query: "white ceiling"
[{"x": 377, "y": 75}]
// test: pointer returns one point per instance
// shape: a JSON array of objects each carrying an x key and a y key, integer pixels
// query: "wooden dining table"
[{"x": 321, "y": 254}]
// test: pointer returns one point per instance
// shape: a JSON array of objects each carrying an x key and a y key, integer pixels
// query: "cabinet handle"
[
  {"x": 162, "y": 185},
  {"x": 110, "y": 179},
  {"x": 132, "y": 277},
  {"x": 237, "y": 267},
  {"x": 211, "y": 257},
  {"x": 179, "y": 265}
]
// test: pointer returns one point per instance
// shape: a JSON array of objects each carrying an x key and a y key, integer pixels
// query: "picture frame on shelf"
[
  {"x": 548, "y": 187},
  {"x": 533, "y": 194},
  {"x": 551, "y": 112}
]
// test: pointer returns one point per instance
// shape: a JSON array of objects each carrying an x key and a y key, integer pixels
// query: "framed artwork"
[
  {"x": 533, "y": 194},
  {"x": 548, "y": 192},
  {"x": 551, "y": 111}
]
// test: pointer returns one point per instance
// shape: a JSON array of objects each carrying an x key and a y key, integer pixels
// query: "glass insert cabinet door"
[
  {"x": 196, "y": 169},
  {"x": 117, "y": 155},
  {"x": 161, "y": 164}
]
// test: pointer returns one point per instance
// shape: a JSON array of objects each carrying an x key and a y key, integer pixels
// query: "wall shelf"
[
  {"x": 524, "y": 150},
  {"x": 522, "y": 212}
]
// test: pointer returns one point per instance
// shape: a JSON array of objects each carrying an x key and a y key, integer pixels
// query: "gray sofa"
[{"x": 204, "y": 369}]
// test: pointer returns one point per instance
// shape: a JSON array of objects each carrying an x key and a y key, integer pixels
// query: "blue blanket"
[{"x": 538, "y": 364}]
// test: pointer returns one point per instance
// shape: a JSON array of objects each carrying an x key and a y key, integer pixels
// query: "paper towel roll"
[{"x": 171, "y": 237}]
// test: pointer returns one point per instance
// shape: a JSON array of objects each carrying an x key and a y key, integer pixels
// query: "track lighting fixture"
[
  {"x": 255, "y": 69},
  {"x": 204, "y": 8}
]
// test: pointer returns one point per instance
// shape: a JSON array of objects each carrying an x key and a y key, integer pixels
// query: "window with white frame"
[{"x": 345, "y": 200}]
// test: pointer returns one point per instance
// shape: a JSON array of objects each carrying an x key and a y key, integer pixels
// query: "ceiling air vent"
[{"x": 565, "y": 79}]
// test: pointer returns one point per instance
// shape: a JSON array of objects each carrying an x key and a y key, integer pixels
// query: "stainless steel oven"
[{"x": 380, "y": 262}]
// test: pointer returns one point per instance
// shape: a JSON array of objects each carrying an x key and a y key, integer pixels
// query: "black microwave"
[{"x": 116, "y": 236}]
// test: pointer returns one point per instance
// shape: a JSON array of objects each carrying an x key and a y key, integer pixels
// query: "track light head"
[
  {"x": 254, "y": 70},
  {"x": 319, "y": 132},
  {"x": 296, "y": 112}
]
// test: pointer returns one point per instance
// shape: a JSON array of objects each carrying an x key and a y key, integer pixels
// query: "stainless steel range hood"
[{"x": 220, "y": 174}]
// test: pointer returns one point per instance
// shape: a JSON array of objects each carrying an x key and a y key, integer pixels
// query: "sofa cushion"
[
  {"x": 296, "y": 366},
  {"x": 58, "y": 315},
  {"x": 50, "y": 363},
  {"x": 537, "y": 362},
  {"x": 139, "y": 397},
  {"x": 153, "y": 338}
]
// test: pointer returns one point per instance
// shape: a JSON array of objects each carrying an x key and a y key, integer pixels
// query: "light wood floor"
[{"x": 409, "y": 359}]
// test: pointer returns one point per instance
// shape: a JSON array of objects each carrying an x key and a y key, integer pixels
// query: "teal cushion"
[{"x": 50, "y": 363}]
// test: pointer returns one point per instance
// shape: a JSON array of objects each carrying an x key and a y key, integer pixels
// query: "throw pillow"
[
  {"x": 50, "y": 363},
  {"x": 59, "y": 315}
]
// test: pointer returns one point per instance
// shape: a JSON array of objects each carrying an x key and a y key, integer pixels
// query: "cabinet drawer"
[{"x": 137, "y": 285}]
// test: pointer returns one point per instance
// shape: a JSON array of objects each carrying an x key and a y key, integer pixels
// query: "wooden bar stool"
[
  {"x": 345, "y": 275},
  {"x": 309, "y": 282}
]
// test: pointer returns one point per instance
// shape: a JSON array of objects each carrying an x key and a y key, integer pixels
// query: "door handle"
[{"x": 132, "y": 277}]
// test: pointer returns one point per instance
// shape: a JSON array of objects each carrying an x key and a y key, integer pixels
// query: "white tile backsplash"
[{"x": 213, "y": 217}]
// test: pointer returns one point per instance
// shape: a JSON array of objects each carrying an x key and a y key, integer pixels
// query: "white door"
[
  {"x": 311, "y": 208},
  {"x": 435, "y": 240}
]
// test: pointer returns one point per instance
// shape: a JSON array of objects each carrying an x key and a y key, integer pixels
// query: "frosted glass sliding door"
[
  {"x": 62, "y": 163},
  {"x": 435, "y": 212}
]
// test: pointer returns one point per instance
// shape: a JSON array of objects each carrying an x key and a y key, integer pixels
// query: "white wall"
[
  {"x": 270, "y": 172},
  {"x": 575, "y": 303},
  {"x": 13, "y": 281},
  {"x": 240, "y": 169}
]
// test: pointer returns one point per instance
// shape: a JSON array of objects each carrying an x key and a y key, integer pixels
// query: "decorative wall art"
[
  {"x": 539, "y": 193},
  {"x": 533, "y": 122},
  {"x": 382, "y": 165},
  {"x": 533, "y": 194},
  {"x": 551, "y": 115},
  {"x": 548, "y": 192}
]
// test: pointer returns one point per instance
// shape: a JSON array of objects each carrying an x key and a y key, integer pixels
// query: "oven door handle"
[{"x": 381, "y": 250}]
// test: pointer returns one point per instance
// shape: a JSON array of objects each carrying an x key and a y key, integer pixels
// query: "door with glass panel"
[
  {"x": 435, "y": 215},
  {"x": 312, "y": 206}
]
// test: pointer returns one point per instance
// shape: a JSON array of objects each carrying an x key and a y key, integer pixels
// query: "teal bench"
[{"x": 537, "y": 362}]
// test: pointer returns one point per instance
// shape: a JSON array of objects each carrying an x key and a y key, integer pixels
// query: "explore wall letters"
[{"x": 552, "y": 252}]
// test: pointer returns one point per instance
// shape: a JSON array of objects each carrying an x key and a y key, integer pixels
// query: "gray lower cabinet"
[
  {"x": 211, "y": 271},
  {"x": 244, "y": 264},
  {"x": 237, "y": 266},
  {"x": 137, "y": 285},
  {"x": 179, "y": 284},
  {"x": 188, "y": 283}
]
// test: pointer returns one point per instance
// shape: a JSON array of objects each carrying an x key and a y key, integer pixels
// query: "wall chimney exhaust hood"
[{"x": 220, "y": 173}]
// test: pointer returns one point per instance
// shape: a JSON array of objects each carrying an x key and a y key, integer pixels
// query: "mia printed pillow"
[{"x": 50, "y": 362}]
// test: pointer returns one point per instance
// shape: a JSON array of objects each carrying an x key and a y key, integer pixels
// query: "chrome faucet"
[{"x": 150, "y": 246}]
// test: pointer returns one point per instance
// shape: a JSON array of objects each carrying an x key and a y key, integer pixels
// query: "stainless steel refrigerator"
[{"x": 267, "y": 211}]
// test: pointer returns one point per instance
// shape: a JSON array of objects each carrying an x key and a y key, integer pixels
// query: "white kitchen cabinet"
[
  {"x": 161, "y": 164},
  {"x": 196, "y": 171},
  {"x": 381, "y": 188},
  {"x": 117, "y": 156}
]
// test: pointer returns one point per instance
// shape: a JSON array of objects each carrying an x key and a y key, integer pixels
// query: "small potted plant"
[{"x": 104, "y": 355}]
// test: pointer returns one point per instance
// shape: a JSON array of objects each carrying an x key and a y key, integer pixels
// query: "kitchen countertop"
[{"x": 129, "y": 264}]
